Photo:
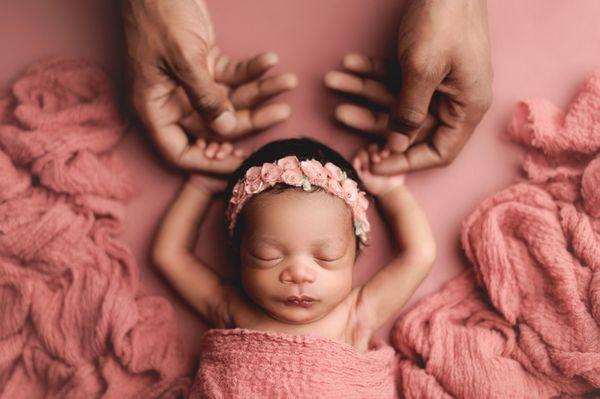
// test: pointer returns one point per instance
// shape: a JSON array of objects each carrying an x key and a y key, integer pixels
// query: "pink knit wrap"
[
  {"x": 242, "y": 363},
  {"x": 72, "y": 322},
  {"x": 524, "y": 322}
]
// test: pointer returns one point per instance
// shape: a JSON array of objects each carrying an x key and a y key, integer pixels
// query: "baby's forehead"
[{"x": 294, "y": 208}]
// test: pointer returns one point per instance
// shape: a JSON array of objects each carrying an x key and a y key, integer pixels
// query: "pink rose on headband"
[
  {"x": 238, "y": 193},
  {"x": 254, "y": 182},
  {"x": 270, "y": 173},
  {"x": 293, "y": 177},
  {"x": 289, "y": 162},
  {"x": 350, "y": 190},
  {"x": 315, "y": 172},
  {"x": 363, "y": 202},
  {"x": 335, "y": 187},
  {"x": 253, "y": 173},
  {"x": 334, "y": 172}
]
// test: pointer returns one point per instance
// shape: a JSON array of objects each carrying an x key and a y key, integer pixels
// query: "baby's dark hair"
[{"x": 304, "y": 148}]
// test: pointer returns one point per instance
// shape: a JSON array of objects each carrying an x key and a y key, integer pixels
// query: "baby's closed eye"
[{"x": 329, "y": 257}]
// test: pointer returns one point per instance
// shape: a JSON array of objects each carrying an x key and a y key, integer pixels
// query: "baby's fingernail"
[{"x": 225, "y": 123}]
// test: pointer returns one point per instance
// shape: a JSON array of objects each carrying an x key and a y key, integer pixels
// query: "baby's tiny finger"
[
  {"x": 374, "y": 153},
  {"x": 212, "y": 149},
  {"x": 239, "y": 152},
  {"x": 363, "y": 155},
  {"x": 385, "y": 153},
  {"x": 201, "y": 143},
  {"x": 226, "y": 148}
]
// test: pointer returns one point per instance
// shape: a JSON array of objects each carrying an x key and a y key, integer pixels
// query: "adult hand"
[
  {"x": 444, "y": 76},
  {"x": 182, "y": 86}
]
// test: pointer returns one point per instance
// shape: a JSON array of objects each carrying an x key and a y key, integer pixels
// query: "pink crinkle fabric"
[
  {"x": 243, "y": 363},
  {"x": 72, "y": 322},
  {"x": 524, "y": 322}
]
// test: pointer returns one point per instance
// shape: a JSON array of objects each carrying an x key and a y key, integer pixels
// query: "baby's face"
[{"x": 297, "y": 243}]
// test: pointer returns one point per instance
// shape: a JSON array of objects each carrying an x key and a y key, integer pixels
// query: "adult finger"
[
  {"x": 363, "y": 119},
  {"x": 206, "y": 96},
  {"x": 261, "y": 118},
  {"x": 250, "y": 94},
  {"x": 412, "y": 105},
  {"x": 237, "y": 72},
  {"x": 365, "y": 65},
  {"x": 399, "y": 142},
  {"x": 247, "y": 121},
  {"x": 369, "y": 89}
]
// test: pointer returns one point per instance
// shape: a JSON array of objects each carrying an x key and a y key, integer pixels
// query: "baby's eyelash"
[
  {"x": 265, "y": 260},
  {"x": 330, "y": 260}
]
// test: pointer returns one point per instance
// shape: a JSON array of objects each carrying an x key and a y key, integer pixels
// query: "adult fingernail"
[
  {"x": 270, "y": 58},
  {"x": 334, "y": 79},
  {"x": 225, "y": 123},
  {"x": 354, "y": 61}
]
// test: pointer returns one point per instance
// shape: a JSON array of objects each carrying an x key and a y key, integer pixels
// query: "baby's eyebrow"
[
  {"x": 264, "y": 240},
  {"x": 330, "y": 241}
]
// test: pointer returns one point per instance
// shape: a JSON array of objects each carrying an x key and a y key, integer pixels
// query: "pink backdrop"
[{"x": 540, "y": 48}]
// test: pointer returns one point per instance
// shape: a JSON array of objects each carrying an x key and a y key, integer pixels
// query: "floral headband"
[{"x": 289, "y": 170}]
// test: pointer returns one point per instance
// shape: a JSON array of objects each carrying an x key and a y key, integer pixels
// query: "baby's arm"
[
  {"x": 391, "y": 287},
  {"x": 174, "y": 244}
]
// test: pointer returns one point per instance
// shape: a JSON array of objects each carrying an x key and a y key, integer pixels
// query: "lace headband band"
[{"x": 289, "y": 170}]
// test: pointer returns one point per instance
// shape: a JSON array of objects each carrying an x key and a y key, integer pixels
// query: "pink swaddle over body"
[{"x": 243, "y": 363}]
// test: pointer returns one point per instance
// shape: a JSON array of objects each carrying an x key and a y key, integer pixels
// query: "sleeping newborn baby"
[{"x": 291, "y": 324}]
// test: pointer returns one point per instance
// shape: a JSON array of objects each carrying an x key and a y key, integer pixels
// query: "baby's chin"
[{"x": 296, "y": 314}]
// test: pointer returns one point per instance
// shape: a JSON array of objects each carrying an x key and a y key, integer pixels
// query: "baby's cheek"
[
  {"x": 257, "y": 283},
  {"x": 339, "y": 284}
]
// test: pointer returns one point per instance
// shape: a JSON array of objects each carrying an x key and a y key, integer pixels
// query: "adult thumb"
[
  {"x": 209, "y": 99},
  {"x": 412, "y": 105}
]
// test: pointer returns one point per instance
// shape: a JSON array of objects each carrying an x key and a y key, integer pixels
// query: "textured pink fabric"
[
  {"x": 72, "y": 324},
  {"x": 524, "y": 322},
  {"x": 242, "y": 363}
]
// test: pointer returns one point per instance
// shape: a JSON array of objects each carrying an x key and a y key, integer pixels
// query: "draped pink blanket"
[
  {"x": 242, "y": 363},
  {"x": 524, "y": 322},
  {"x": 72, "y": 323}
]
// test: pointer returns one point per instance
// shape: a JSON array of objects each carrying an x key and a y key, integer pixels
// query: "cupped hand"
[
  {"x": 443, "y": 79},
  {"x": 182, "y": 86}
]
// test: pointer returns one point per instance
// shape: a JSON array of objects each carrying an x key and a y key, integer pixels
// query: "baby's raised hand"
[
  {"x": 217, "y": 158},
  {"x": 377, "y": 185}
]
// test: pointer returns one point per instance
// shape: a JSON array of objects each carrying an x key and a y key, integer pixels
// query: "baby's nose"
[{"x": 298, "y": 274}]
